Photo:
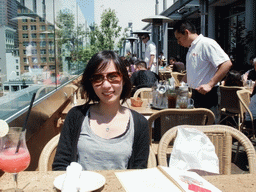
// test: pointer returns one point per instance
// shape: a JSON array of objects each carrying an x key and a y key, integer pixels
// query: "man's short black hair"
[
  {"x": 145, "y": 35},
  {"x": 141, "y": 63},
  {"x": 172, "y": 58},
  {"x": 182, "y": 25}
]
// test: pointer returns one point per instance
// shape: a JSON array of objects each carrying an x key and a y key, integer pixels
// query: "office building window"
[
  {"x": 6, "y": 88},
  {"x": 33, "y": 27},
  {"x": 17, "y": 67},
  {"x": 42, "y": 43},
  {"x": 25, "y": 43},
  {"x": 43, "y": 51},
  {"x": 42, "y": 19},
  {"x": 51, "y": 35},
  {"x": 42, "y": 27},
  {"x": 52, "y": 67},
  {"x": 25, "y": 60},
  {"x": 15, "y": 88},
  {"x": 51, "y": 51},
  {"x": 33, "y": 43},
  {"x": 33, "y": 35},
  {"x": 42, "y": 35},
  {"x": 24, "y": 20},
  {"x": 51, "y": 43},
  {"x": 43, "y": 59},
  {"x": 34, "y": 51},
  {"x": 25, "y": 36},
  {"x": 50, "y": 28},
  {"x": 34, "y": 60},
  {"x": 26, "y": 68},
  {"x": 24, "y": 27},
  {"x": 51, "y": 59}
]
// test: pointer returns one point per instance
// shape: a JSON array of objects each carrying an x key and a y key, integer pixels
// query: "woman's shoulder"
[
  {"x": 79, "y": 110},
  {"x": 137, "y": 116}
]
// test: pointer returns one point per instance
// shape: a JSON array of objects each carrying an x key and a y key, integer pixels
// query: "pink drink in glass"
[{"x": 12, "y": 162}]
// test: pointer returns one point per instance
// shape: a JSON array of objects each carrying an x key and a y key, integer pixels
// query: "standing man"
[
  {"x": 206, "y": 65},
  {"x": 150, "y": 53}
]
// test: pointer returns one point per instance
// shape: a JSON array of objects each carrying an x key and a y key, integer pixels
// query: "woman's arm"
[
  {"x": 141, "y": 143},
  {"x": 66, "y": 149}
]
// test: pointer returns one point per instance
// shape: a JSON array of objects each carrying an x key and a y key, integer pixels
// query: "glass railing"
[{"x": 41, "y": 50}]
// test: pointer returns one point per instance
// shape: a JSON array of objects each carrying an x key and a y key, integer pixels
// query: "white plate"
[{"x": 89, "y": 181}]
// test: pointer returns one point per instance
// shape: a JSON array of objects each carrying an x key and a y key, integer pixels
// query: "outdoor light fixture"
[
  {"x": 157, "y": 21},
  {"x": 131, "y": 39}
]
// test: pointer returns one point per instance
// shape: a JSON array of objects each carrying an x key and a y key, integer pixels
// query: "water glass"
[
  {"x": 190, "y": 103},
  {"x": 182, "y": 102}
]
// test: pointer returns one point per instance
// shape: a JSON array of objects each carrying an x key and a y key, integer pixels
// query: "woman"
[
  {"x": 233, "y": 78},
  {"x": 104, "y": 135}
]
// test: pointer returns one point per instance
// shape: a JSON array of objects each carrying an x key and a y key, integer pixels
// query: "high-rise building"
[
  {"x": 9, "y": 61},
  {"x": 36, "y": 40}
]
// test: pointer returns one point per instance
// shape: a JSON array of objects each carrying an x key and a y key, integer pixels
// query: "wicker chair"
[
  {"x": 151, "y": 158},
  {"x": 246, "y": 128},
  {"x": 165, "y": 119},
  {"x": 47, "y": 155},
  {"x": 221, "y": 136},
  {"x": 143, "y": 93},
  {"x": 178, "y": 77},
  {"x": 164, "y": 75},
  {"x": 244, "y": 101},
  {"x": 229, "y": 104}
]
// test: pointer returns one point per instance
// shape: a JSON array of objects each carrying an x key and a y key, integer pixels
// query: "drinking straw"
[{"x": 26, "y": 120}]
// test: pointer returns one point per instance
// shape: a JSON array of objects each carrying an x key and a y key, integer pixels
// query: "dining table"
[
  {"x": 145, "y": 109},
  {"x": 35, "y": 181}
]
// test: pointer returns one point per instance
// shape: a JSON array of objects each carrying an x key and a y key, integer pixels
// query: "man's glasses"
[{"x": 113, "y": 77}]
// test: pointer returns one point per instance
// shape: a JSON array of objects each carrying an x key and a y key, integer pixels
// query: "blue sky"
[
  {"x": 87, "y": 7},
  {"x": 126, "y": 10}
]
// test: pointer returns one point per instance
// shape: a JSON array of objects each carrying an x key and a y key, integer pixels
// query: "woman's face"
[{"x": 108, "y": 84}]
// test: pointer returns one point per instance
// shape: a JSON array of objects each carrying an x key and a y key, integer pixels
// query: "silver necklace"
[{"x": 108, "y": 126}]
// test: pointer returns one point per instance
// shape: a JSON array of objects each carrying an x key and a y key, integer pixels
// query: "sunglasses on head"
[{"x": 113, "y": 77}]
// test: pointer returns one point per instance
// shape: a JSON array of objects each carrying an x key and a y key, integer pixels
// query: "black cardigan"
[{"x": 67, "y": 147}]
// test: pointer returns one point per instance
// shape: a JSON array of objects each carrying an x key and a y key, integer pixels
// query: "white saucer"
[{"x": 89, "y": 181}]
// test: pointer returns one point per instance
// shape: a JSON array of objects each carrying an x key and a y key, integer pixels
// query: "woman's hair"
[
  {"x": 98, "y": 63},
  {"x": 233, "y": 78}
]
